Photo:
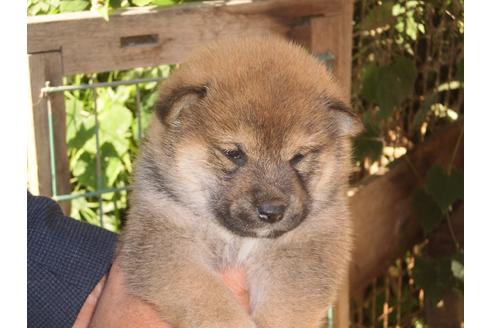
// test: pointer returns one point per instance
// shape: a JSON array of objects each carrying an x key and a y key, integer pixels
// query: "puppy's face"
[
  {"x": 253, "y": 140},
  {"x": 258, "y": 163}
]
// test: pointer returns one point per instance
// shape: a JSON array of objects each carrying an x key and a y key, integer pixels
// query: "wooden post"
[
  {"x": 45, "y": 67},
  {"x": 332, "y": 34}
]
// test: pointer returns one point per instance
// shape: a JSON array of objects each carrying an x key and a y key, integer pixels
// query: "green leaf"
[
  {"x": 104, "y": 12},
  {"x": 412, "y": 27},
  {"x": 113, "y": 167},
  {"x": 163, "y": 2},
  {"x": 114, "y": 124},
  {"x": 81, "y": 137},
  {"x": 141, "y": 3},
  {"x": 406, "y": 73},
  {"x": 369, "y": 143},
  {"x": 444, "y": 188},
  {"x": 115, "y": 119},
  {"x": 389, "y": 85},
  {"x": 424, "y": 109},
  {"x": 370, "y": 77},
  {"x": 378, "y": 16},
  {"x": 33, "y": 9},
  {"x": 111, "y": 163},
  {"x": 73, "y": 5},
  {"x": 458, "y": 270},
  {"x": 434, "y": 276},
  {"x": 43, "y": 7},
  {"x": 85, "y": 170},
  {"x": 426, "y": 210},
  {"x": 80, "y": 126},
  {"x": 115, "y": 4}
]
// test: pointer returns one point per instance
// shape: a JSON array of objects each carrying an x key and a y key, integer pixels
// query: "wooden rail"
[
  {"x": 139, "y": 37},
  {"x": 382, "y": 207}
]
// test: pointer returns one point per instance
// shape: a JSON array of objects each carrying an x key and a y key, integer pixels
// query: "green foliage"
[
  {"x": 118, "y": 139},
  {"x": 141, "y": 3},
  {"x": 427, "y": 211},
  {"x": 387, "y": 86},
  {"x": 396, "y": 77},
  {"x": 442, "y": 189},
  {"x": 423, "y": 111},
  {"x": 369, "y": 143},
  {"x": 436, "y": 276},
  {"x": 458, "y": 270},
  {"x": 43, "y": 7},
  {"x": 408, "y": 80},
  {"x": 432, "y": 205},
  {"x": 103, "y": 7},
  {"x": 379, "y": 16},
  {"x": 163, "y": 2},
  {"x": 73, "y": 5},
  {"x": 407, "y": 15},
  {"x": 445, "y": 188}
]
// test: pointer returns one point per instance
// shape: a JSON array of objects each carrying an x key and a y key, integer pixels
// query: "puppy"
[{"x": 245, "y": 164}]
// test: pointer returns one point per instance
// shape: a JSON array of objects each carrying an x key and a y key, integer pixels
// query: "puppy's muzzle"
[{"x": 271, "y": 211}]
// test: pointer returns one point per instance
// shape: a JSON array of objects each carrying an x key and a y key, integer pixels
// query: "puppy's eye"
[
  {"x": 296, "y": 159},
  {"x": 235, "y": 155}
]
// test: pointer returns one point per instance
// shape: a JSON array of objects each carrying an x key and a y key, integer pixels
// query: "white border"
[
  {"x": 478, "y": 127},
  {"x": 478, "y": 161},
  {"x": 14, "y": 106}
]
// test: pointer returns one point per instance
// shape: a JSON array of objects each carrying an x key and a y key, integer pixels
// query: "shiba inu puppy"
[{"x": 245, "y": 164}]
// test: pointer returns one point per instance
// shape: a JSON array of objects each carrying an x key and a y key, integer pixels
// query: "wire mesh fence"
[{"x": 100, "y": 190}]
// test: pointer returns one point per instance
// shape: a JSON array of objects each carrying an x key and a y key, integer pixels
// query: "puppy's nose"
[{"x": 271, "y": 211}]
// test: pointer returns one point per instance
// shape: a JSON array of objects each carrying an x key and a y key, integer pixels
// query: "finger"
[
  {"x": 87, "y": 311},
  {"x": 235, "y": 280},
  {"x": 118, "y": 309}
]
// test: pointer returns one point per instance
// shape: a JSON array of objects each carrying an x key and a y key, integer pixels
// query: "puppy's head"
[{"x": 252, "y": 134}]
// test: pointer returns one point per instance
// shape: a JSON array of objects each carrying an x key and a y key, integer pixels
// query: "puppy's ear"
[
  {"x": 348, "y": 123},
  {"x": 174, "y": 101}
]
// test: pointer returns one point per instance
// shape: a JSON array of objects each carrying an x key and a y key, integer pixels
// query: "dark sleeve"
[{"x": 65, "y": 260}]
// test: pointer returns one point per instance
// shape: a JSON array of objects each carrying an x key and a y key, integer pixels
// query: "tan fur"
[{"x": 273, "y": 100}]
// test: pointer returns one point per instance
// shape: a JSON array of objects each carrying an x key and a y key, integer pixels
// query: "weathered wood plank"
[
  {"x": 332, "y": 34},
  {"x": 341, "y": 310},
  {"x": 149, "y": 36},
  {"x": 32, "y": 156},
  {"x": 384, "y": 224},
  {"x": 48, "y": 67},
  {"x": 286, "y": 9}
]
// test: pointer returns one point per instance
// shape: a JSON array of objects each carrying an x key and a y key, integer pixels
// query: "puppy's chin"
[{"x": 250, "y": 229}]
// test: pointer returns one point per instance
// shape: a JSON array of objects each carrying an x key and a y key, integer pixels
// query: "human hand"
[{"x": 109, "y": 305}]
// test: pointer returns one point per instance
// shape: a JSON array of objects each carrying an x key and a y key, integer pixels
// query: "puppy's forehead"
[
  {"x": 264, "y": 122},
  {"x": 267, "y": 86}
]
